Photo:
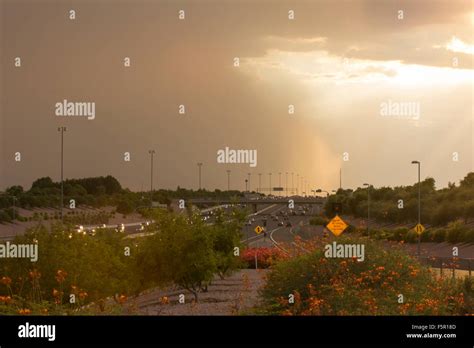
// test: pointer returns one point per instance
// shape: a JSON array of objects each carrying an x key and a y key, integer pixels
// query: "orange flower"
[
  {"x": 122, "y": 299},
  {"x": 6, "y": 281},
  {"x": 60, "y": 275},
  {"x": 34, "y": 274},
  {"x": 83, "y": 295},
  {"x": 24, "y": 311},
  {"x": 5, "y": 299},
  {"x": 164, "y": 300}
]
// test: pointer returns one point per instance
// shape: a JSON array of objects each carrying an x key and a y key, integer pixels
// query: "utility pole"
[
  {"x": 199, "y": 166},
  {"x": 292, "y": 184},
  {"x": 228, "y": 179},
  {"x": 151, "y": 152},
  {"x": 259, "y": 182},
  {"x": 279, "y": 181},
  {"x": 286, "y": 183},
  {"x": 368, "y": 208},
  {"x": 419, "y": 202},
  {"x": 62, "y": 129},
  {"x": 340, "y": 178},
  {"x": 249, "y": 174},
  {"x": 297, "y": 183},
  {"x": 270, "y": 182}
]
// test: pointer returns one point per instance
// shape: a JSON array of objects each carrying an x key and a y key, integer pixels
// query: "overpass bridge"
[{"x": 256, "y": 202}]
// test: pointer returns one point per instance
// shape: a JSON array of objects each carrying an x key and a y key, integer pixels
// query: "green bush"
[
  {"x": 411, "y": 236},
  {"x": 398, "y": 234},
  {"x": 318, "y": 221},
  {"x": 455, "y": 231},
  {"x": 439, "y": 235},
  {"x": 467, "y": 236}
]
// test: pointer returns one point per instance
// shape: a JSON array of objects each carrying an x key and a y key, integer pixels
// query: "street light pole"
[
  {"x": 62, "y": 129},
  {"x": 228, "y": 179},
  {"x": 249, "y": 174},
  {"x": 259, "y": 182},
  {"x": 270, "y": 181},
  {"x": 340, "y": 178},
  {"x": 368, "y": 208},
  {"x": 292, "y": 184},
  {"x": 419, "y": 201},
  {"x": 151, "y": 152},
  {"x": 297, "y": 182},
  {"x": 286, "y": 183},
  {"x": 199, "y": 166}
]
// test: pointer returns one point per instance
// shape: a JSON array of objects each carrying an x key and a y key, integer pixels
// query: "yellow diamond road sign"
[
  {"x": 258, "y": 230},
  {"x": 336, "y": 225},
  {"x": 419, "y": 228}
]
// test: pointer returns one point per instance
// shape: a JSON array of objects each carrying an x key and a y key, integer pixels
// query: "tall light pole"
[
  {"x": 279, "y": 181},
  {"x": 297, "y": 182},
  {"x": 62, "y": 129},
  {"x": 419, "y": 201},
  {"x": 199, "y": 166},
  {"x": 259, "y": 182},
  {"x": 246, "y": 185},
  {"x": 340, "y": 177},
  {"x": 292, "y": 184},
  {"x": 14, "y": 207},
  {"x": 270, "y": 181},
  {"x": 152, "y": 153},
  {"x": 228, "y": 179},
  {"x": 286, "y": 183},
  {"x": 249, "y": 174},
  {"x": 368, "y": 207}
]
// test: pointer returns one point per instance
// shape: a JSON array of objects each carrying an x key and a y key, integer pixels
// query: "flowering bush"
[
  {"x": 387, "y": 282},
  {"x": 266, "y": 257}
]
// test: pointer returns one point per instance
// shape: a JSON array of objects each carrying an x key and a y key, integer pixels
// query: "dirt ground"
[{"x": 233, "y": 295}]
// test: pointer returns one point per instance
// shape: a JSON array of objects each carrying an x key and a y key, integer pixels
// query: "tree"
[
  {"x": 181, "y": 252},
  {"x": 42, "y": 183},
  {"x": 125, "y": 207},
  {"x": 468, "y": 181},
  {"x": 226, "y": 235}
]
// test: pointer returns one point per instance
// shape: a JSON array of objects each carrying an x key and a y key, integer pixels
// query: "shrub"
[
  {"x": 439, "y": 235},
  {"x": 398, "y": 234},
  {"x": 266, "y": 257},
  {"x": 467, "y": 236},
  {"x": 454, "y": 231},
  {"x": 411, "y": 236},
  {"x": 318, "y": 221},
  {"x": 329, "y": 286}
]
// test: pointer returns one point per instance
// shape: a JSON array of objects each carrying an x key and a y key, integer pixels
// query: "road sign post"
[{"x": 419, "y": 229}]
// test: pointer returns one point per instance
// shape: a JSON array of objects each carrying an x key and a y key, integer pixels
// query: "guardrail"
[{"x": 449, "y": 264}]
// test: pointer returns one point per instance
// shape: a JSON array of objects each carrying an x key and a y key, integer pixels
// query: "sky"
[{"x": 337, "y": 64}]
